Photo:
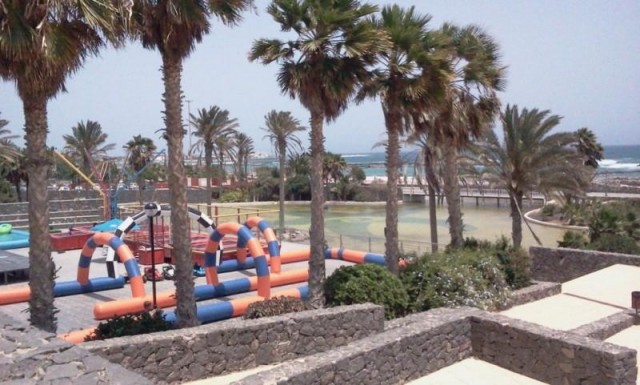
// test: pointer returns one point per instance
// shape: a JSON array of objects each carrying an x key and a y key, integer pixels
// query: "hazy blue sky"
[{"x": 578, "y": 58}]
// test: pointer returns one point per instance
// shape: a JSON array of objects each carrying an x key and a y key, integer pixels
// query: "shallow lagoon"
[{"x": 361, "y": 225}]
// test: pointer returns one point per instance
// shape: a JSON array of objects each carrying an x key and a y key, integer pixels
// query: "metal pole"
[{"x": 152, "y": 210}]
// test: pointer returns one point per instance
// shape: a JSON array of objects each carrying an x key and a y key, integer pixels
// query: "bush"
[
  {"x": 129, "y": 325},
  {"x": 615, "y": 243},
  {"x": 458, "y": 278},
  {"x": 573, "y": 240},
  {"x": 367, "y": 283},
  {"x": 275, "y": 306},
  {"x": 233, "y": 196},
  {"x": 515, "y": 263},
  {"x": 548, "y": 210}
]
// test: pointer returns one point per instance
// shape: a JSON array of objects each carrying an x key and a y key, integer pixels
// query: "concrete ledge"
[{"x": 208, "y": 350}]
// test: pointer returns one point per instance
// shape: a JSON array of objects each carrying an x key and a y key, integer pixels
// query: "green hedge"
[{"x": 367, "y": 283}]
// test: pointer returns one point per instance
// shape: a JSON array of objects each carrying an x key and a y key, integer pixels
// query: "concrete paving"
[
  {"x": 474, "y": 372},
  {"x": 76, "y": 311}
]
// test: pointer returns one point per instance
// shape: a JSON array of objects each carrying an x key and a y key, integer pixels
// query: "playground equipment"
[
  {"x": 5, "y": 228},
  {"x": 14, "y": 239},
  {"x": 84, "y": 284},
  {"x": 141, "y": 217}
]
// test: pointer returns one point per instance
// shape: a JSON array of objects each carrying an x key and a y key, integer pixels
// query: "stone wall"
[
  {"x": 437, "y": 339},
  {"x": 209, "y": 350},
  {"x": 429, "y": 341},
  {"x": 551, "y": 356},
  {"x": 30, "y": 356},
  {"x": 562, "y": 265}
]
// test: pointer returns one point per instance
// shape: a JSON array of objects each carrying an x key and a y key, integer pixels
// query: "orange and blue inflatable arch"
[
  {"x": 124, "y": 254},
  {"x": 272, "y": 242},
  {"x": 246, "y": 238}
]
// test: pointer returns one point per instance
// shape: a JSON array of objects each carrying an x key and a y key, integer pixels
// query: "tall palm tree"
[
  {"x": 139, "y": 154},
  {"x": 281, "y": 129},
  {"x": 467, "y": 109},
  {"x": 173, "y": 27},
  {"x": 243, "y": 150},
  {"x": 216, "y": 131},
  {"x": 529, "y": 158},
  {"x": 323, "y": 66},
  {"x": 86, "y": 145},
  {"x": 43, "y": 43},
  {"x": 399, "y": 84}
]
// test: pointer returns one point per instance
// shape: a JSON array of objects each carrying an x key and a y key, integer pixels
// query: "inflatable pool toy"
[{"x": 5, "y": 228}]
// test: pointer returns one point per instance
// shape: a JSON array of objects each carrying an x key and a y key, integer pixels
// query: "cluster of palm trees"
[{"x": 438, "y": 82}]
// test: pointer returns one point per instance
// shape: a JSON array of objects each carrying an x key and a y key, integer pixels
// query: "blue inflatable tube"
[
  {"x": 221, "y": 310},
  {"x": 16, "y": 239},
  {"x": 62, "y": 289}
]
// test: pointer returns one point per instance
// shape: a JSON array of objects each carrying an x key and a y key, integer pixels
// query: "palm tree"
[
  {"x": 243, "y": 150},
  {"x": 87, "y": 144},
  {"x": 529, "y": 158},
  {"x": 399, "y": 84},
  {"x": 589, "y": 147},
  {"x": 426, "y": 165},
  {"x": 281, "y": 130},
  {"x": 215, "y": 130},
  {"x": 333, "y": 167},
  {"x": 8, "y": 150},
  {"x": 41, "y": 45},
  {"x": 173, "y": 27},
  {"x": 467, "y": 109},
  {"x": 323, "y": 67},
  {"x": 139, "y": 154}
]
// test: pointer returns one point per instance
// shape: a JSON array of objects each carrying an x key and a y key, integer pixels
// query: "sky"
[{"x": 577, "y": 58}]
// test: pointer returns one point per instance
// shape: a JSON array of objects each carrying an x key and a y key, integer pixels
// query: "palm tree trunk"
[
  {"x": 208, "y": 159},
  {"x": 185, "y": 299},
  {"x": 452, "y": 192},
  {"x": 281, "y": 158},
  {"x": 222, "y": 175},
  {"x": 41, "y": 267},
  {"x": 516, "y": 218},
  {"x": 433, "y": 216},
  {"x": 316, "y": 236},
  {"x": 392, "y": 253}
]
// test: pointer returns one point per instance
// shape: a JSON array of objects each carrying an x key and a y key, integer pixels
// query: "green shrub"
[
  {"x": 275, "y": 306},
  {"x": 548, "y": 210},
  {"x": 131, "y": 324},
  {"x": 573, "y": 240},
  {"x": 615, "y": 243},
  {"x": 233, "y": 196},
  {"x": 367, "y": 283},
  {"x": 515, "y": 263},
  {"x": 458, "y": 278}
]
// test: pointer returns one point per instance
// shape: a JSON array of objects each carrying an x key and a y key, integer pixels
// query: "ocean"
[{"x": 620, "y": 161}]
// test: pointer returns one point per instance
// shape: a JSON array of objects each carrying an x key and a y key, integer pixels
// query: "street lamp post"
[{"x": 152, "y": 210}]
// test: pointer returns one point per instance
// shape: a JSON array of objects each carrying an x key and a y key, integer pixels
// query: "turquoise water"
[{"x": 360, "y": 226}]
